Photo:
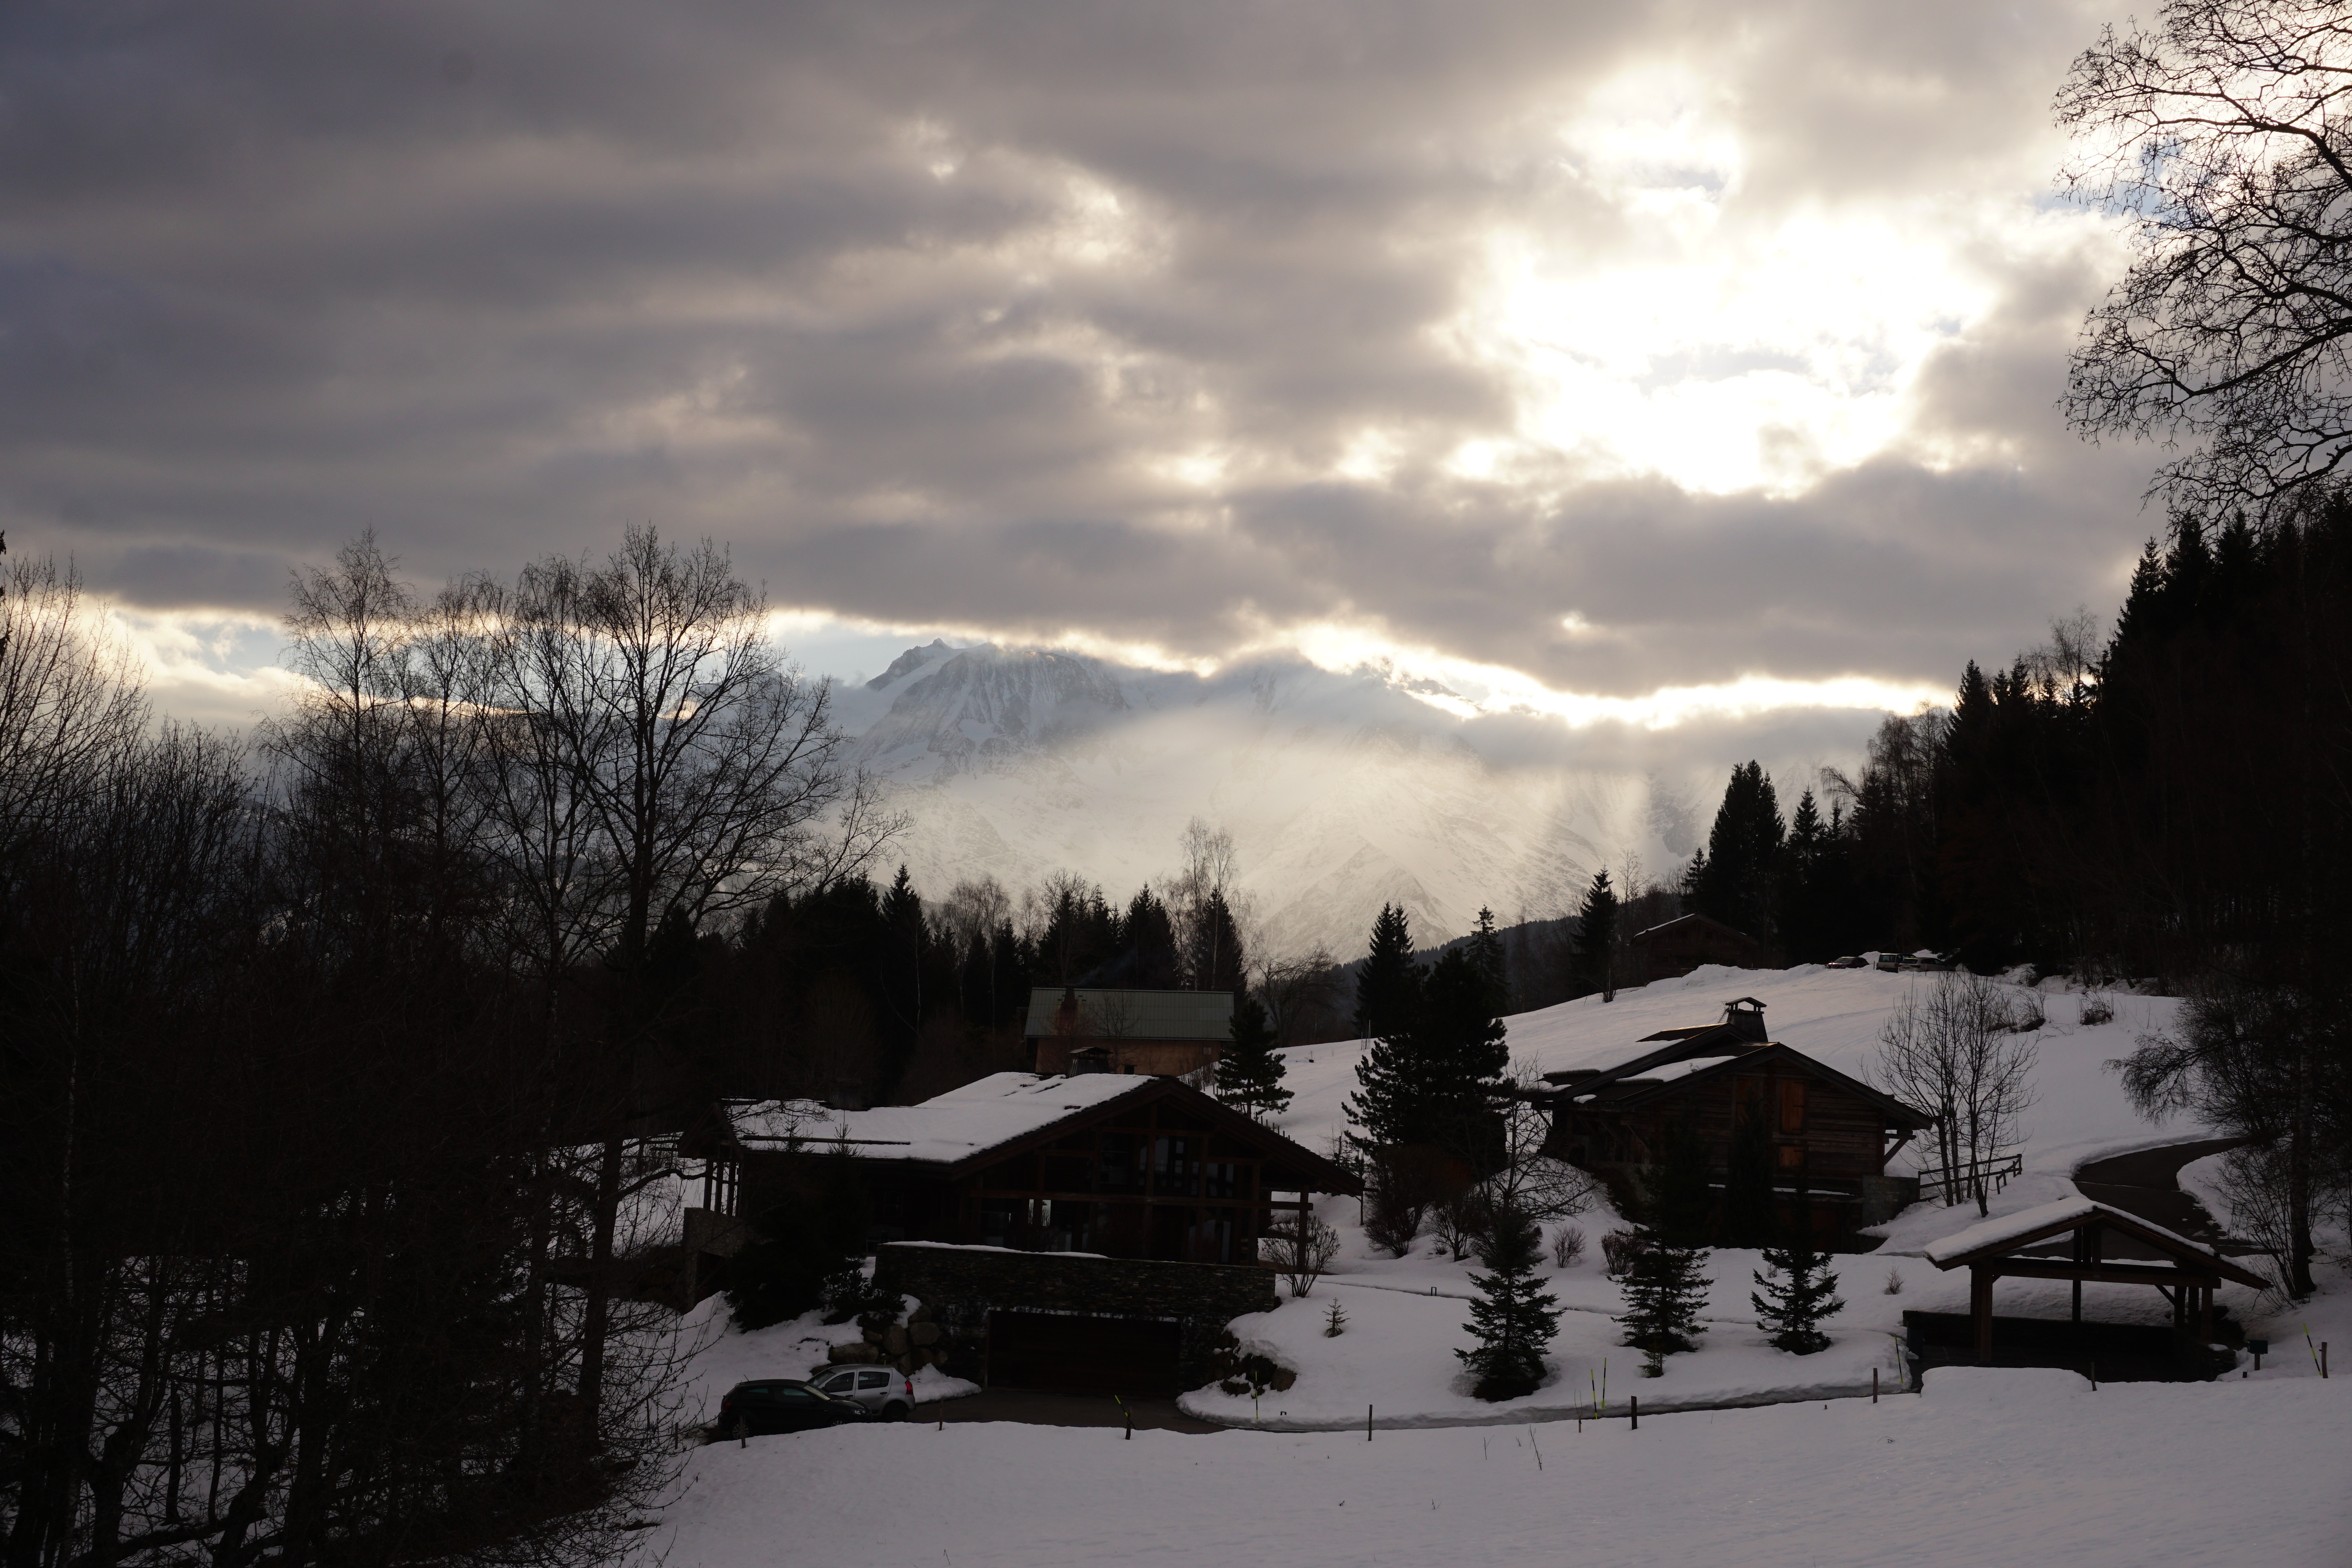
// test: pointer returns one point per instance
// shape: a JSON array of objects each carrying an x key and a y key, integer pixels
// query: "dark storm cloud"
[{"x": 919, "y": 307}]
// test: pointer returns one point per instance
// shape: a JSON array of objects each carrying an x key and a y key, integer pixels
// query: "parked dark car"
[{"x": 782, "y": 1405}]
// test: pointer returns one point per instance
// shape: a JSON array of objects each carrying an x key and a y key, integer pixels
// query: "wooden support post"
[
  {"x": 1635, "y": 1401},
  {"x": 1980, "y": 1308},
  {"x": 2205, "y": 1314},
  {"x": 2078, "y": 1301}
]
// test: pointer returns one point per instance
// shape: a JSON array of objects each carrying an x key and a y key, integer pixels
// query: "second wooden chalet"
[
  {"x": 1831, "y": 1136},
  {"x": 1124, "y": 1166}
]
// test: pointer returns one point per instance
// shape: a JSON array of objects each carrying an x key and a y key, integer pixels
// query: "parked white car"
[{"x": 888, "y": 1394}]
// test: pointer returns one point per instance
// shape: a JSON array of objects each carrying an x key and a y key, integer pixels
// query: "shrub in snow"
[
  {"x": 1568, "y": 1247},
  {"x": 1513, "y": 1318},
  {"x": 1396, "y": 1200},
  {"x": 1463, "y": 1222},
  {"x": 1617, "y": 1251},
  {"x": 1799, "y": 1292},
  {"x": 1301, "y": 1247},
  {"x": 1895, "y": 1281},
  {"x": 2095, "y": 1008},
  {"x": 1335, "y": 1321}
]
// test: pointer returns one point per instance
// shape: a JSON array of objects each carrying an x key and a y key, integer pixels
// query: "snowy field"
[{"x": 1984, "y": 1468}]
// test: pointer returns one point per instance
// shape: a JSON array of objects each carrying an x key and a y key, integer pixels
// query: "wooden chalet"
[
  {"x": 1677, "y": 946},
  {"x": 2081, "y": 1239},
  {"x": 1831, "y": 1136},
  {"x": 1132, "y": 1166},
  {"x": 1074, "y": 1030}
]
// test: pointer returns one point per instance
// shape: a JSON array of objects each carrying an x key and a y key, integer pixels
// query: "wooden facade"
[
  {"x": 1679, "y": 946},
  {"x": 1830, "y": 1137},
  {"x": 1160, "y": 1033},
  {"x": 1160, "y": 1171}
]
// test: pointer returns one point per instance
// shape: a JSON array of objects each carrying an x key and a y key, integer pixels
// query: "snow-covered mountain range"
[{"x": 1341, "y": 790}]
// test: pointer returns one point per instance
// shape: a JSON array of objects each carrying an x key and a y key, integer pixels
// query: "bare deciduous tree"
[
  {"x": 2221, "y": 135},
  {"x": 1301, "y": 1247},
  {"x": 1958, "y": 1054}
]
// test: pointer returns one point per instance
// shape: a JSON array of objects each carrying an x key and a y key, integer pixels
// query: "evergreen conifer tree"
[
  {"x": 1250, "y": 1072},
  {"x": 1747, "y": 1217},
  {"x": 1388, "y": 989},
  {"x": 1514, "y": 1317},
  {"x": 1487, "y": 957},
  {"x": 1665, "y": 1287},
  {"x": 1735, "y": 883},
  {"x": 1665, "y": 1284},
  {"x": 1798, "y": 1294},
  {"x": 1596, "y": 939},
  {"x": 1434, "y": 1081}
]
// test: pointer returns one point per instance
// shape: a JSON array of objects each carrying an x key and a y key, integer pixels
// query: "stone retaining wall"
[{"x": 960, "y": 1285}]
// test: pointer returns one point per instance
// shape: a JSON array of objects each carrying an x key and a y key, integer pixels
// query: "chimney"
[{"x": 1745, "y": 1019}]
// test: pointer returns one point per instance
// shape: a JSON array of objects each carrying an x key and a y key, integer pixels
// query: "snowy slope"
[
  {"x": 1985, "y": 1470},
  {"x": 1833, "y": 1014}
]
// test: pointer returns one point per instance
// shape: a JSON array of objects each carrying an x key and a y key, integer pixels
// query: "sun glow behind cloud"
[{"x": 1713, "y": 340}]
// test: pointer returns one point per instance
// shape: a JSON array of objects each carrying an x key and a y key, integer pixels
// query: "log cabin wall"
[{"x": 1825, "y": 1138}]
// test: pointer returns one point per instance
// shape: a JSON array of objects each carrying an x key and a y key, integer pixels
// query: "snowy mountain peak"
[
  {"x": 984, "y": 706},
  {"x": 910, "y": 661}
]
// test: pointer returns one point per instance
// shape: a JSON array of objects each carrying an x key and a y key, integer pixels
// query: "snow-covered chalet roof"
[{"x": 944, "y": 1129}]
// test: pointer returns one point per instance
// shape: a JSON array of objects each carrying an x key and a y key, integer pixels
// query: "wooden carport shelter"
[{"x": 2186, "y": 1272}]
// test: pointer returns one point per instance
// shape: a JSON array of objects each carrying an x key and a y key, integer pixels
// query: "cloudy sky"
[{"x": 1617, "y": 362}]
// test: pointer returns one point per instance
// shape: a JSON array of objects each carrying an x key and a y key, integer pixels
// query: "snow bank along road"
[{"x": 1988, "y": 1467}]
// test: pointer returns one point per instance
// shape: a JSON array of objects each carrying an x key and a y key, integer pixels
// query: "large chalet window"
[
  {"x": 1176, "y": 1166},
  {"x": 1120, "y": 1168},
  {"x": 1228, "y": 1179}
]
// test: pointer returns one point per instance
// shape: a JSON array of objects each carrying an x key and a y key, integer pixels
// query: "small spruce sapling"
[
  {"x": 1664, "y": 1279},
  {"x": 1513, "y": 1318},
  {"x": 1798, "y": 1294},
  {"x": 1335, "y": 1321}
]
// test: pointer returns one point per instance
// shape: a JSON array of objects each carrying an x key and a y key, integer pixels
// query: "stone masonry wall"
[{"x": 960, "y": 1285}]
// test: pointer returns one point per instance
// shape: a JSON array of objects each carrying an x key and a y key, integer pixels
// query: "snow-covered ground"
[{"x": 1984, "y": 1468}]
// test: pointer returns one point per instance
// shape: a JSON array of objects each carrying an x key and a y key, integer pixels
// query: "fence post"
[
  {"x": 1368, "y": 1423},
  {"x": 1873, "y": 1386},
  {"x": 1635, "y": 1401}
]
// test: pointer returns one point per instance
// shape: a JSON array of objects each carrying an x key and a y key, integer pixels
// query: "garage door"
[{"x": 1091, "y": 1356}]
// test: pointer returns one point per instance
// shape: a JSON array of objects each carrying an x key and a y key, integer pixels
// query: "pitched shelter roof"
[
  {"x": 1133, "y": 1015},
  {"x": 997, "y": 1116},
  {"x": 2007, "y": 1233}
]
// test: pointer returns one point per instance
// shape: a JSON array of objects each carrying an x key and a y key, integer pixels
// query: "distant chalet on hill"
[
  {"x": 1166, "y": 1034},
  {"x": 1831, "y": 1136},
  {"x": 1676, "y": 947}
]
